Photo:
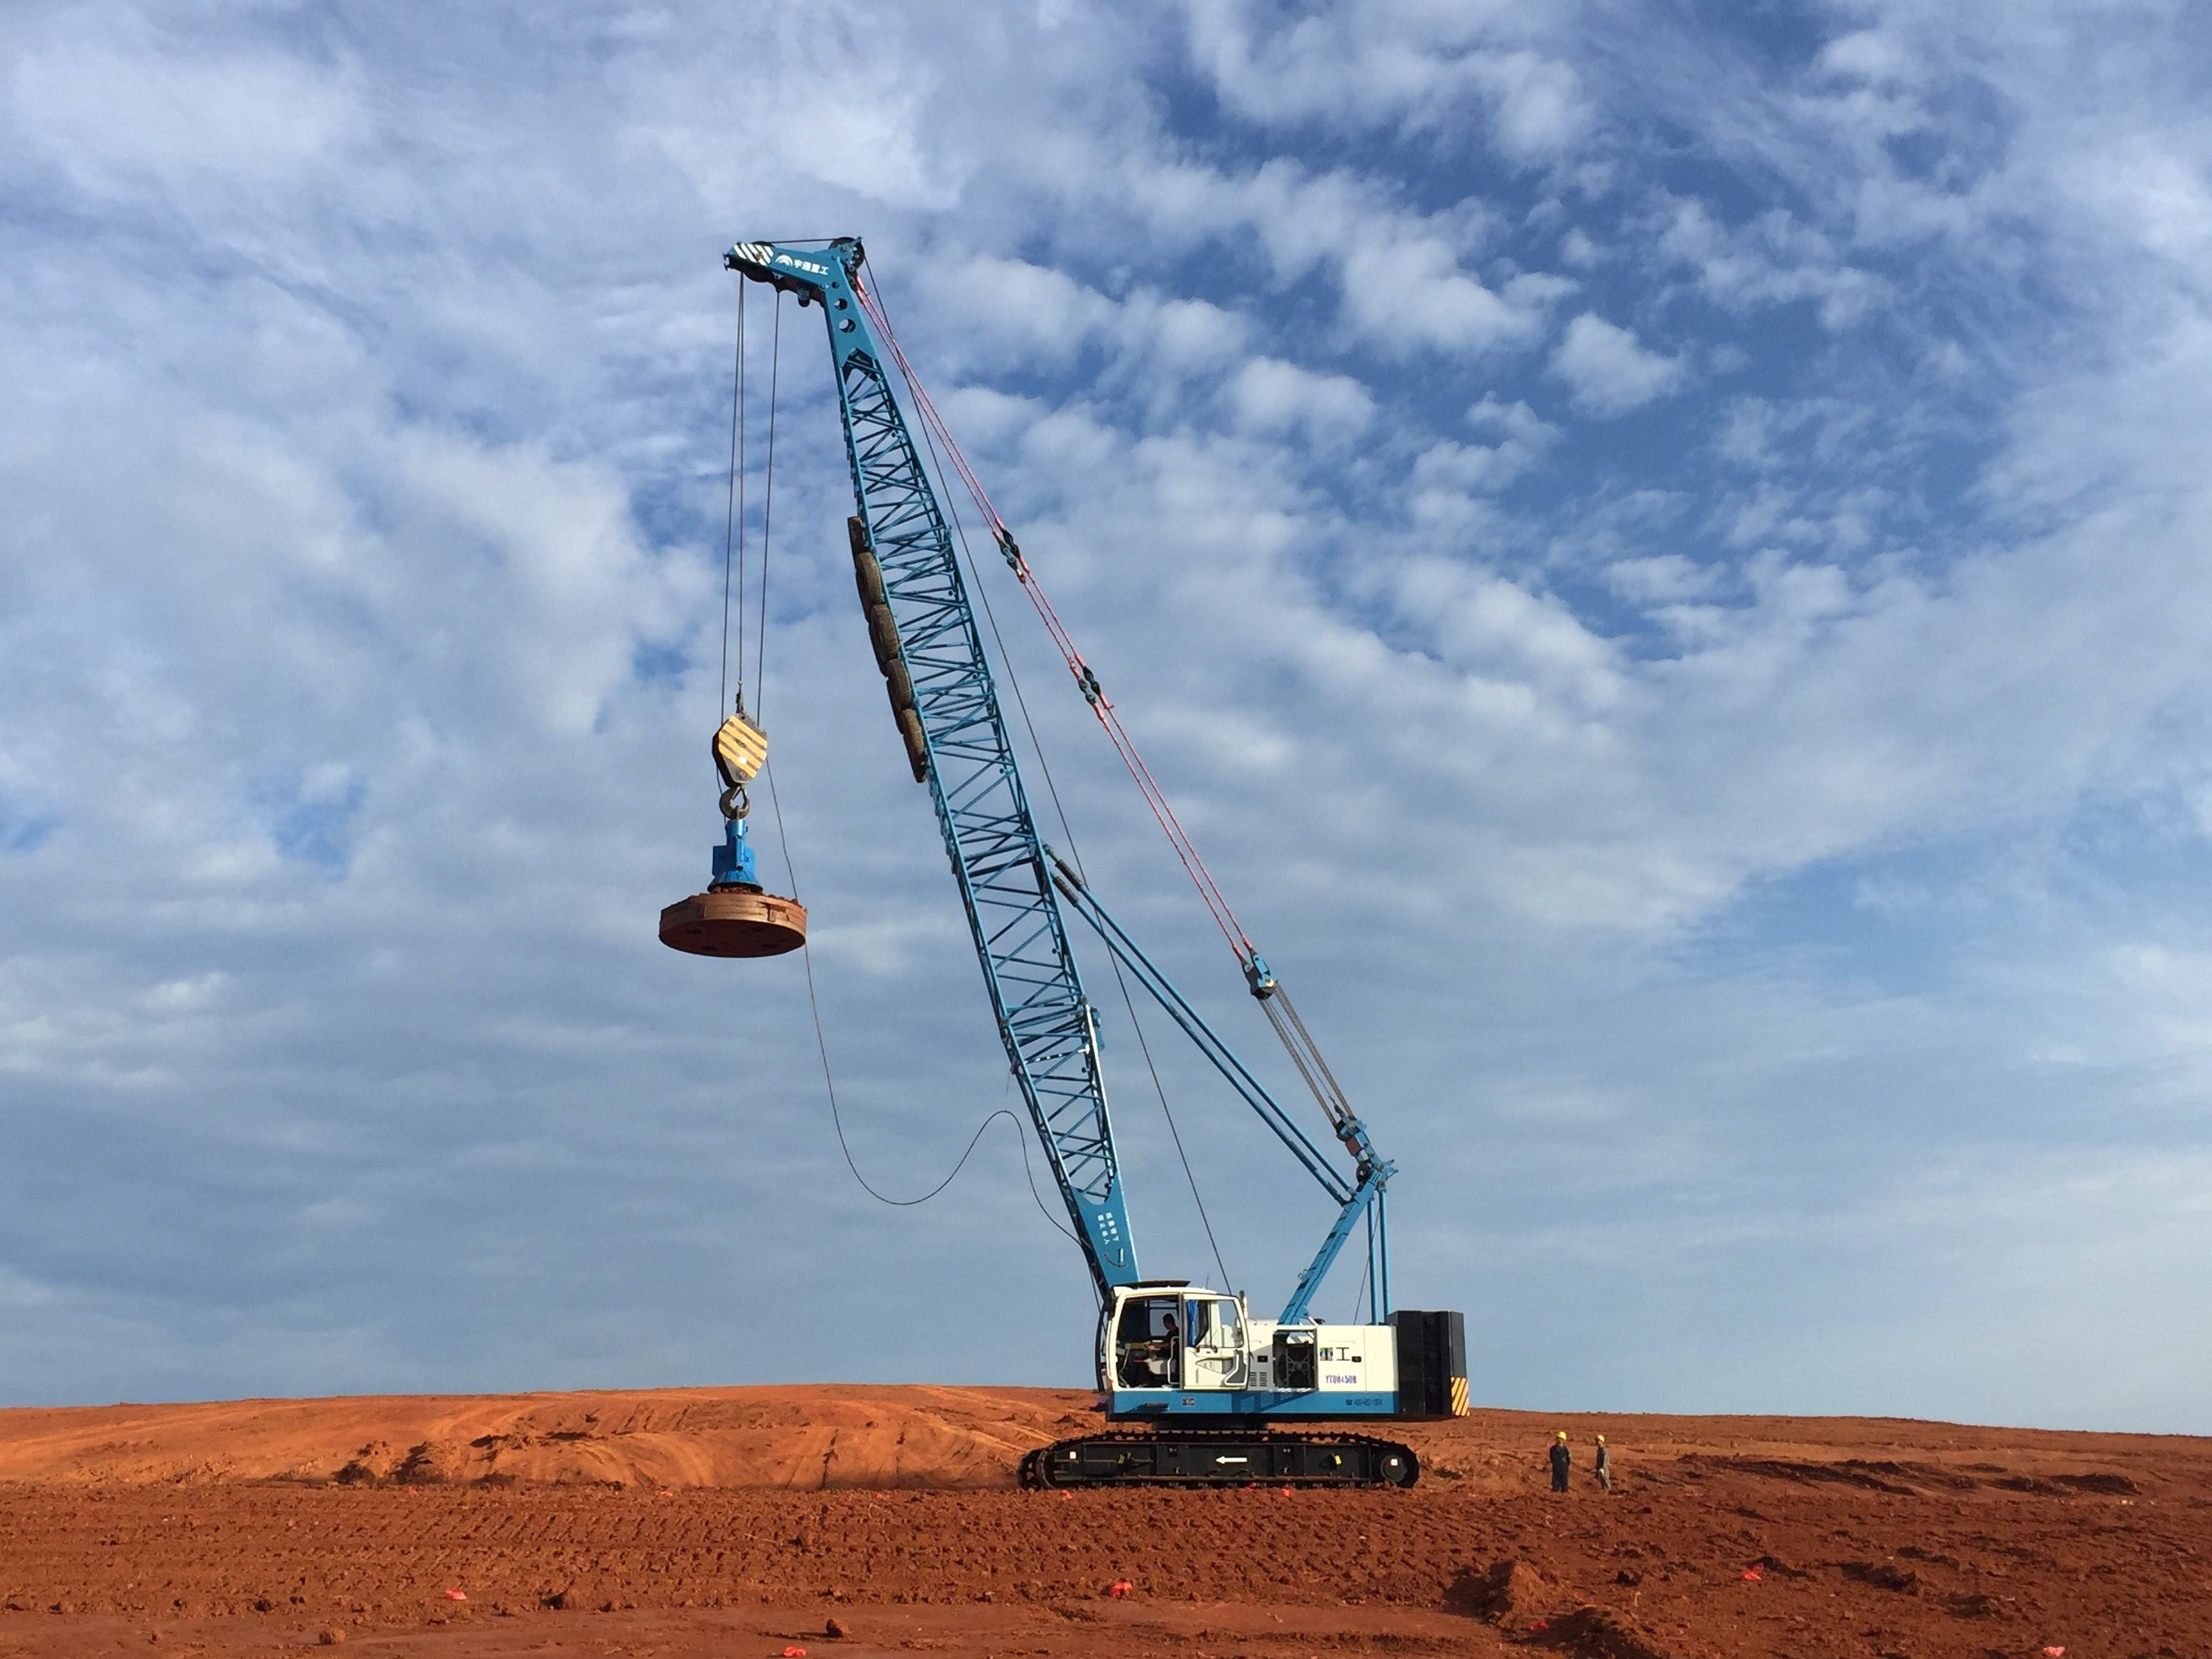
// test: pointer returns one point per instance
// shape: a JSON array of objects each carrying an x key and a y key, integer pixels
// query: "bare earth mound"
[
  {"x": 807, "y": 1437},
  {"x": 739, "y": 1522}
]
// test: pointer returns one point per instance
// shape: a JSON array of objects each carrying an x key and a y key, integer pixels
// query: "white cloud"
[
  {"x": 1608, "y": 370},
  {"x": 1540, "y": 107},
  {"x": 1403, "y": 277},
  {"x": 1665, "y": 578},
  {"x": 1773, "y": 260},
  {"x": 1513, "y": 424},
  {"x": 1026, "y": 310},
  {"x": 2162, "y": 200},
  {"x": 1414, "y": 67},
  {"x": 1449, "y": 472},
  {"x": 139, "y": 107},
  {"x": 1867, "y": 55},
  {"x": 1269, "y": 395},
  {"x": 1479, "y": 622},
  {"x": 1413, "y": 293}
]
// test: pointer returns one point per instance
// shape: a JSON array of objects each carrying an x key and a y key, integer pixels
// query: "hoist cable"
[
  {"x": 976, "y": 582},
  {"x": 730, "y": 511},
  {"x": 1022, "y": 1140},
  {"x": 829, "y": 1081},
  {"x": 767, "y": 508},
  {"x": 743, "y": 469}
]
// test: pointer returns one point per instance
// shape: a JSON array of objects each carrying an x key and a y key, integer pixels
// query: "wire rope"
[
  {"x": 730, "y": 514},
  {"x": 745, "y": 470},
  {"x": 1145, "y": 1049},
  {"x": 1037, "y": 747},
  {"x": 767, "y": 507},
  {"x": 991, "y": 618},
  {"x": 1101, "y": 705},
  {"x": 829, "y": 1081}
]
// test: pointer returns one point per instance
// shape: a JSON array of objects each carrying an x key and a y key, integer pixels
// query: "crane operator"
[{"x": 1149, "y": 1363}]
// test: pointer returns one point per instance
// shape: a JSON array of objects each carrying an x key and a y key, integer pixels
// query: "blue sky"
[{"x": 1662, "y": 551}]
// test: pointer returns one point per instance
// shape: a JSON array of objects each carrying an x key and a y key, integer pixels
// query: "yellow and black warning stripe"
[{"x": 740, "y": 750}]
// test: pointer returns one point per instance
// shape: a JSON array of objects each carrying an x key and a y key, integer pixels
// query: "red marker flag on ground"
[
  {"x": 1749, "y": 1575},
  {"x": 1120, "y": 1587},
  {"x": 456, "y": 1595}
]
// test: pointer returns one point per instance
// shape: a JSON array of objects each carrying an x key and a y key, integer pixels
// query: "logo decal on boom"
[{"x": 760, "y": 254}]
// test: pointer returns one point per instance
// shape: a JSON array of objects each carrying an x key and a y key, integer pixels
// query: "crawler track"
[{"x": 1224, "y": 1457}]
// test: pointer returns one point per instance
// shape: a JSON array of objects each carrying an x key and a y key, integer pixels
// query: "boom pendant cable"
[
  {"x": 1289, "y": 1029},
  {"x": 1209, "y": 890},
  {"x": 1037, "y": 747},
  {"x": 991, "y": 617}
]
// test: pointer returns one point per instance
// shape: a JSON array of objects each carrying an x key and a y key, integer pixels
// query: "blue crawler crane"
[{"x": 1204, "y": 1393}]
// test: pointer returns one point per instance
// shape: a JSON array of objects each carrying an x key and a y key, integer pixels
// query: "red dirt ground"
[{"x": 738, "y": 1521}]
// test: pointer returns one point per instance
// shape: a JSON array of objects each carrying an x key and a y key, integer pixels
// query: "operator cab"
[{"x": 1175, "y": 1336}]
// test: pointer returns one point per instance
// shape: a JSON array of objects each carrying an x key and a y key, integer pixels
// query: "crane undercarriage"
[{"x": 1228, "y": 1456}]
